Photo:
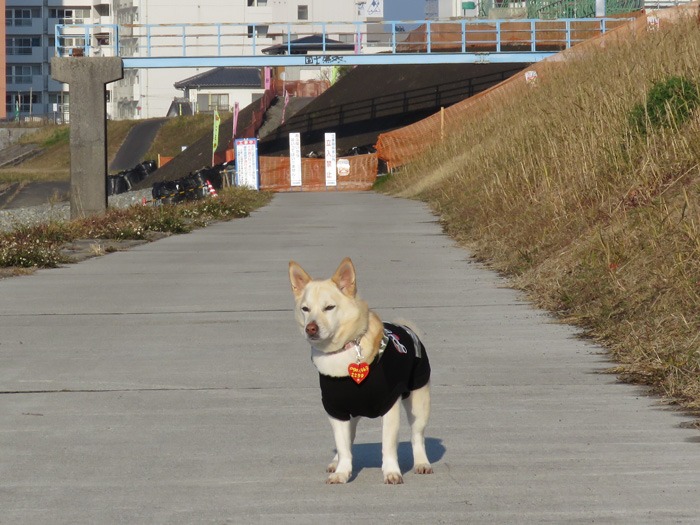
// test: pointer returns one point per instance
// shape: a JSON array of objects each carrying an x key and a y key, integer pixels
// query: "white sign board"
[
  {"x": 247, "y": 163},
  {"x": 295, "y": 159},
  {"x": 330, "y": 160},
  {"x": 531, "y": 76},
  {"x": 343, "y": 167}
]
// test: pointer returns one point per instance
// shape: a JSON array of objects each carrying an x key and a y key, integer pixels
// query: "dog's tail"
[{"x": 408, "y": 324}]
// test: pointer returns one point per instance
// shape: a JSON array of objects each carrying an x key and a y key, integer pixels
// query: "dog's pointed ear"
[
  {"x": 298, "y": 277},
  {"x": 344, "y": 278}
]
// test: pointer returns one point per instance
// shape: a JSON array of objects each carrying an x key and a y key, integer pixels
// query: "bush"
[{"x": 669, "y": 103}]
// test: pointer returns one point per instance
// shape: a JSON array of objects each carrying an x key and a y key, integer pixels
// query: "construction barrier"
[
  {"x": 126, "y": 179},
  {"x": 275, "y": 174},
  {"x": 197, "y": 185}
]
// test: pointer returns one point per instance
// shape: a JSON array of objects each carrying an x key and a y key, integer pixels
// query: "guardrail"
[{"x": 328, "y": 43}]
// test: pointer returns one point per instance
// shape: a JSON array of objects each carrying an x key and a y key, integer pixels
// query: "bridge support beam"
[{"x": 88, "y": 128}]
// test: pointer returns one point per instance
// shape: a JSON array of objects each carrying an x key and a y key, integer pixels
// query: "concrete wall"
[{"x": 9, "y": 136}]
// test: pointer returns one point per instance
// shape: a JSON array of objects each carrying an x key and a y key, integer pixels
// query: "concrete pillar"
[{"x": 87, "y": 77}]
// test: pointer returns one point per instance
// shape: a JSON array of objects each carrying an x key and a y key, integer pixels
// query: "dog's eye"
[
  {"x": 329, "y": 308},
  {"x": 304, "y": 308}
]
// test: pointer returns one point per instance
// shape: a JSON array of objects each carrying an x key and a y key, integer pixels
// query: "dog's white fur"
[{"x": 330, "y": 314}]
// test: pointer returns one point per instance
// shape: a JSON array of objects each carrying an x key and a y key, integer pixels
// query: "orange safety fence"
[
  {"x": 275, "y": 174},
  {"x": 403, "y": 145}
]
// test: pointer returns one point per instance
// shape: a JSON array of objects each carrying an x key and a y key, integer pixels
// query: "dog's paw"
[
  {"x": 423, "y": 468},
  {"x": 338, "y": 478},
  {"x": 393, "y": 478},
  {"x": 332, "y": 466}
]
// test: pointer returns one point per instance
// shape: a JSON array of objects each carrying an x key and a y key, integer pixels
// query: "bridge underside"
[{"x": 485, "y": 57}]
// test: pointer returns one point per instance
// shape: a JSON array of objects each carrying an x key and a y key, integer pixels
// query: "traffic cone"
[{"x": 212, "y": 191}]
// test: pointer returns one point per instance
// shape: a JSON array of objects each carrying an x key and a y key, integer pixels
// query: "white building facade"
[
  {"x": 31, "y": 43},
  {"x": 264, "y": 24}
]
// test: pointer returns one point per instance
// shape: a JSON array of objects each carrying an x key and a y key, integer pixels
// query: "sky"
[{"x": 404, "y": 9}]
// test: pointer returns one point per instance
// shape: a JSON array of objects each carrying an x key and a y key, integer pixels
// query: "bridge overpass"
[{"x": 330, "y": 43}]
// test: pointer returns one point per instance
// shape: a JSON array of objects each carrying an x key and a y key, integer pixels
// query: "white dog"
[{"x": 365, "y": 368}]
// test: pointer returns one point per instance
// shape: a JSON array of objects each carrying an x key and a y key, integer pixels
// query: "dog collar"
[{"x": 355, "y": 345}]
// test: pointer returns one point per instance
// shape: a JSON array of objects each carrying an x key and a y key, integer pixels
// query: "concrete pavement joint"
[
  {"x": 260, "y": 310},
  {"x": 122, "y": 390}
]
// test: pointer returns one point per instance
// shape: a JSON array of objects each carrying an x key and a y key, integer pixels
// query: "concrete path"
[
  {"x": 34, "y": 194},
  {"x": 136, "y": 144},
  {"x": 169, "y": 384}
]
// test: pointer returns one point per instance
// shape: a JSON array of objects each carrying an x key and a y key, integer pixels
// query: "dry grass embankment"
[
  {"x": 596, "y": 217},
  {"x": 54, "y": 161},
  {"x": 182, "y": 131}
]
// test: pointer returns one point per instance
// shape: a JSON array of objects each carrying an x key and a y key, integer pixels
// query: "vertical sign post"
[
  {"x": 215, "y": 136},
  {"x": 247, "y": 163},
  {"x": 295, "y": 159},
  {"x": 330, "y": 160}
]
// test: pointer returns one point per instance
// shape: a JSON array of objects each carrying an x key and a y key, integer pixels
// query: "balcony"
[
  {"x": 25, "y": 84},
  {"x": 25, "y": 55}
]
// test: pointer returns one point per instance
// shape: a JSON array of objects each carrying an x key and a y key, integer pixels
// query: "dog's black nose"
[{"x": 312, "y": 329}]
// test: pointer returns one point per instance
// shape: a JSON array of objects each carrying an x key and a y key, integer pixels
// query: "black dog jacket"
[{"x": 400, "y": 369}]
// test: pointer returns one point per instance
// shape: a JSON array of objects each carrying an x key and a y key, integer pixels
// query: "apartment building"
[
  {"x": 3, "y": 61},
  {"x": 29, "y": 45},
  {"x": 30, "y": 42}
]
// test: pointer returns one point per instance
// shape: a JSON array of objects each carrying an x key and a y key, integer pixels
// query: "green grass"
[{"x": 181, "y": 131}]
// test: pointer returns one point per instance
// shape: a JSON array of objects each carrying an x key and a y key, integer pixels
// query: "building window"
[
  {"x": 21, "y": 73},
  {"x": 16, "y": 103},
  {"x": 303, "y": 12},
  {"x": 260, "y": 31},
  {"x": 21, "y": 45},
  {"x": 59, "y": 98},
  {"x": 212, "y": 101},
  {"x": 18, "y": 17},
  {"x": 67, "y": 44},
  {"x": 70, "y": 15}
]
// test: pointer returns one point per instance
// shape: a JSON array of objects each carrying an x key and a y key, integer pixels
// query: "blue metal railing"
[{"x": 417, "y": 41}]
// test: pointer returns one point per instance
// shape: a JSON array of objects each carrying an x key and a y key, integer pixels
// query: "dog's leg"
[
  {"x": 332, "y": 467},
  {"x": 390, "y": 442},
  {"x": 417, "y": 407},
  {"x": 342, "y": 432}
]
